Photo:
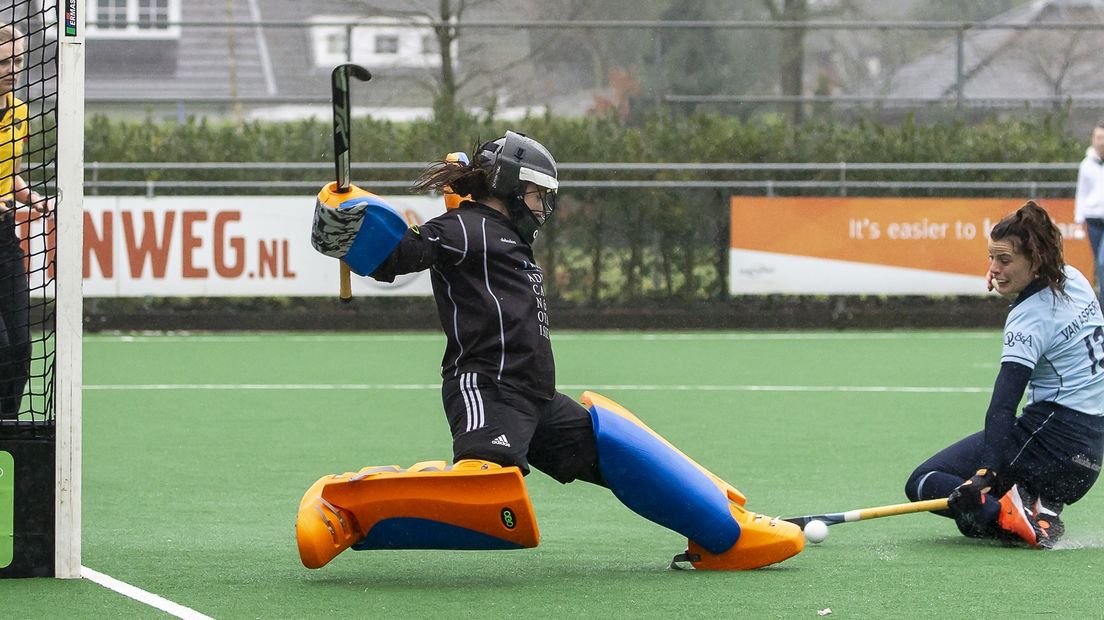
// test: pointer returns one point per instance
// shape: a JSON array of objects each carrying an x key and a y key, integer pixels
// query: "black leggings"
[
  {"x": 15, "y": 332},
  {"x": 1057, "y": 456}
]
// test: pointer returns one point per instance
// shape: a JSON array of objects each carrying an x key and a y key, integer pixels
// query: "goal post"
[
  {"x": 69, "y": 297},
  {"x": 41, "y": 263}
]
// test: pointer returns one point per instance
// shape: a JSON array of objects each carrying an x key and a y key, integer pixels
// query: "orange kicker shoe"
[
  {"x": 763, "y": 541},
  {"x": 323, "y": 530},
  {"x": 1017, "y": 518}
]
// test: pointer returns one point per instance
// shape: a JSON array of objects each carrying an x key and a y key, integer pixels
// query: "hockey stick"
[
  {"x": 871, "y": 513},
  {"x": 339, "y": 80}
]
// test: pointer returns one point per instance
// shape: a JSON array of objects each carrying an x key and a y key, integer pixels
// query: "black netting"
[{"x": 28, "y": 174}]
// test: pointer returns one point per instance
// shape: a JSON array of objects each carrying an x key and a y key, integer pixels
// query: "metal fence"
[
  {"x": 1031, "y": 180},
  {"x": 843, "y": 64}
]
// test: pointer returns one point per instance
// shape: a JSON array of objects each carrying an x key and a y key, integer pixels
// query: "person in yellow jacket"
[{"x": 15, "y": 337}]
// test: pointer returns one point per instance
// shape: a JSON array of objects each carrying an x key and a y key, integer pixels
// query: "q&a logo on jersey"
[{"x": 1011, "y": 339}]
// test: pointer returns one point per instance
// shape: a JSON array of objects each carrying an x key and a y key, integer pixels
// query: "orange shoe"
[
  {"x": 1050, "y": 531},
  {"x": 323, "y": 530},
  {"x": 1018, "y": 519},
  {"x": 763, "y": 541},
  {"x": 1046, "y": 515}
]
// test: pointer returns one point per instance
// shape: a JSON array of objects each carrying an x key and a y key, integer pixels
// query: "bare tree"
[
  {"x": 1064, "y": 61},
  {"x": 1056, "y": 62},
  {"x": 448, "y": 32},
  {"x": 792, "y": 71},
  {"x": 791, "y": 74},
  {"x": 447, "y": 19},
  {"x": 605, "y": 49}
]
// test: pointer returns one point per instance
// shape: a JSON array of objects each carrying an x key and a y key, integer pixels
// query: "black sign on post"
[{"x": 26, "y": 505}]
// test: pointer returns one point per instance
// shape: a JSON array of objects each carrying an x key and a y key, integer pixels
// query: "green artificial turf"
[{"x": 191, "y": 493}]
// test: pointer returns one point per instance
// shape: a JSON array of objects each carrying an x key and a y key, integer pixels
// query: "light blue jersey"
[{"x": 1062, "y": 341}]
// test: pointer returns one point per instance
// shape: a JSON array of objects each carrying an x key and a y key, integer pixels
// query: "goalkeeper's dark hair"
[
  {"x": 1037, "y": 237},
  {"x": 462, "y": 179}
]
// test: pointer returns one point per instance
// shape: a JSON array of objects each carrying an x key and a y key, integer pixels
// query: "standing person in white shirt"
[
  {"x": 1089, "y": 200},
  {"x": 1012, "y": 479}
]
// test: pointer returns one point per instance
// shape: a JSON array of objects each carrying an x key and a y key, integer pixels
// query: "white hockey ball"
[{"x": 816, "y": 531}]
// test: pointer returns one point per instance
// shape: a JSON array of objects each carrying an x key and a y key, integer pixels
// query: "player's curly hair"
[
  {"x": 463, "y": 179},
  {"x": 1037, "y": 237}
]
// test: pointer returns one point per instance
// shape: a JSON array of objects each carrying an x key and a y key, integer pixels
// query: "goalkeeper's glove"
[{"x": 970, "y": 495}]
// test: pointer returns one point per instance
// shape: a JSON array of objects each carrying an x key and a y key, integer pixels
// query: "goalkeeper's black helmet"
[{"x": 510, "y": 162}]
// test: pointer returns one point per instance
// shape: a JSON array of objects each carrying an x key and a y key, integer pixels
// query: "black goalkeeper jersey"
[{"x": 489, "y": 294}]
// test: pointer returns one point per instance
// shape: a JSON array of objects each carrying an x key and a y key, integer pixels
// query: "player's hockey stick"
[
  {"x": 339, "y": 80},
  {"x": 863, "y": 514}
]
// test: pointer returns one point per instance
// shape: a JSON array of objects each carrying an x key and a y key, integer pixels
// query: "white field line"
[
  {"x": 146, "y": 598},
  {"x": 899, "y": 389},
  {"x": 567, "y": 336}
]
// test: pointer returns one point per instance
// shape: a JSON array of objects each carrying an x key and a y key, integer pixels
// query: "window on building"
[
  {"x": 111, "y": 14},
  {"x": 377, "y": 43},
  {"x": 134, "y": 18},
  {"x": 429, "y": 44},
  {"x": 153, "y": 13},
  {"x": 335, "y": 43},
  {"x": 387, "y": 44}
]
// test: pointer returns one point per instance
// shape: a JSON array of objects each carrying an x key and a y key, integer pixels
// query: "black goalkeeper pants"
[
  {"x": 493, "y": 422},
  {"x": 15, "y": 332}
]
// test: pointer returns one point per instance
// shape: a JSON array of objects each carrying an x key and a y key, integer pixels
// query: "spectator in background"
[
  {"x": 15, "y": 332},
  {"x": 1089, "y": 201}
]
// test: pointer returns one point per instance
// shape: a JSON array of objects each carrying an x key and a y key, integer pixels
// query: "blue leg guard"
[{"x": 660, "y": 483}]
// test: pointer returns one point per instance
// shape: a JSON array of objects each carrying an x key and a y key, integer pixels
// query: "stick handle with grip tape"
[
  {"x": 863, "y": 514},
  {"x": 339, "y": 80}
]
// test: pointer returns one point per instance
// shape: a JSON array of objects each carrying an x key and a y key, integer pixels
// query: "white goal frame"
[{"x": 69, "y": 308}]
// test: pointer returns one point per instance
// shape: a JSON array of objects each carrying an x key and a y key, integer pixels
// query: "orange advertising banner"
[{"x": 875, "y": 245}]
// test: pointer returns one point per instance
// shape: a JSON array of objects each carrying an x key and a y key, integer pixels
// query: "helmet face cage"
[
  {"x": 512, "y": 161},
  {"x": 548, "y": 204},
  {"x": 546, "y": 190}
]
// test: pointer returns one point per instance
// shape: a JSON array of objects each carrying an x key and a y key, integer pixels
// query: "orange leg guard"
[{"x": 469, "y": 505}]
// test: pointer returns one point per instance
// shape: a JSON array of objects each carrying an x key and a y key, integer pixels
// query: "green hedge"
[
  {"x": 699, "y": 138},
  {"x": 607, "y": 246}
]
